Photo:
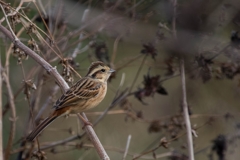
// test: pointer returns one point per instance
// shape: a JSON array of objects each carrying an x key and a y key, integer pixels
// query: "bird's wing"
[{"x": 84, "y": 89}]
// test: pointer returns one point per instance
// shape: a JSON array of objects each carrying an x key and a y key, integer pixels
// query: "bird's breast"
[{"x": 99, "y": 97}]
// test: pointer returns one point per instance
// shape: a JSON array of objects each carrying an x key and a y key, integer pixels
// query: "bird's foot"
[{"x": 86, "y": 123}]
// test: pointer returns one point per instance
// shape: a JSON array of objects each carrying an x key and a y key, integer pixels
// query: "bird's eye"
[{"x": 103, "y": 70}]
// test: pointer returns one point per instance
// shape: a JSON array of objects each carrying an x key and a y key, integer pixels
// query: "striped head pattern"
[{"x": 98, "y": 70}]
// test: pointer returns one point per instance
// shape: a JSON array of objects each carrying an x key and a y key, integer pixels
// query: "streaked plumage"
[{"x": 85, "y": 94}]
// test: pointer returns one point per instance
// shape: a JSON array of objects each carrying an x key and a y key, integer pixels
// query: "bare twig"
[
  {"x": 184, "y": 91},
  {"x": 129, "y": 62},
  {"x": 81, "y": 36},
  {"x": 147, "y": 152},
  {"x": 13, "y": 116},
  {"x": 10, "y": 28},
  {"x": 12, "y": 14},
  {"x": 127, "y": 147},
  {"x": 174, "y": 2},
  {"x": 185, "y": 112},
  {"x": 115, "y": 46},
  {"x": 37, "y": 58},
  {"x": 1, "y": 107},
  {"x": 164, "y": 26},
  {"x": 49, "y": 32}
]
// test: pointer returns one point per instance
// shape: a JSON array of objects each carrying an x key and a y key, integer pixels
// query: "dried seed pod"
[
  {"x": 149, "y": 49},
  {"x": 33, "y": 45}
]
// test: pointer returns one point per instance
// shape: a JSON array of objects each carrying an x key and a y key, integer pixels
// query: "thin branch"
[
  {"x": 174, "y": 19},
  {"x": 128, "y": 62},
  {"x": 81, "y": 36},
  {"x": 115, "y": 46},
  {"x": 61, "y": 82},
  {"x": 49, "y": 32},
  {"x": 37, "y": 58},
  {"x": 164, "y": 26},
  {"x": 184, "y": 91},
  {"x": 137, "y": 74},
  {"x": 10, "y": 28},
  {"x": 13, "y": 116},
  {"x": 186, "y": 112},
  {"x": 127, "y": 147},
  {"x": 1, "y": 116}
]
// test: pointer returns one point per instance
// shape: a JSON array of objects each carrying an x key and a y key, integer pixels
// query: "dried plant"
[{"x": 192, "y": 55}]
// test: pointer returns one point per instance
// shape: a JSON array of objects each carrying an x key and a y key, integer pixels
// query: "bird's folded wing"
[{"x": 82, "y": 90}]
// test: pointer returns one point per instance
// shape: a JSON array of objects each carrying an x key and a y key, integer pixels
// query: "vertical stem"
[
  {"x": 174, "y": 19},
  {"x": 1, "y": 129},
  {"x": 184, "y": 91},
  {"x": 13, "y": 116},
  {"x": 185, "y": 112},
  {"x": 127, "y": 147}
]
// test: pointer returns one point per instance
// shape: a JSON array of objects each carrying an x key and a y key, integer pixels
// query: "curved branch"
[
  {"x": 52, "y": 70},
  {"x": 64, "y": 86}
]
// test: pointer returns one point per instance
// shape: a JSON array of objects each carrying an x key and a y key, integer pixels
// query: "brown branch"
[
  {"x": 1, "y": 115},
  {"x": 37, "y": 58},
  {"x": 95, "y": 141},
  {"x": 184, "y": 91},
  {"x": 6, "y": 106},
  {"x": 60, "y": 81},
  {"x": 13, "y": 114}
]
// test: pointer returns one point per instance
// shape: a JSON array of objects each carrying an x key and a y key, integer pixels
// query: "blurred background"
[{"x": 143, "y": 41}]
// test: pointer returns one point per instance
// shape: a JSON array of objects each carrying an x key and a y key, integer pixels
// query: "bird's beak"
[{"x": 111, "y": 71}]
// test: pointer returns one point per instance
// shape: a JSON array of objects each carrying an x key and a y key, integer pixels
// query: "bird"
[{"x": 85, "y": 94}]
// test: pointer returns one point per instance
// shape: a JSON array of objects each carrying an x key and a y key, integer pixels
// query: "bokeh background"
[{"x": 132, "y": 36}]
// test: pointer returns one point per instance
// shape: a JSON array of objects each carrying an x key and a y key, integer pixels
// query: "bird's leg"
[{"x": 85, "y": 123}]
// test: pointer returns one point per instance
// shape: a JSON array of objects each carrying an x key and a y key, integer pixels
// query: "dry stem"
[
  {"x": 1, "y": 107},
  {"x": 13, "y": 114},
  {"x": 186, "y": 113}
]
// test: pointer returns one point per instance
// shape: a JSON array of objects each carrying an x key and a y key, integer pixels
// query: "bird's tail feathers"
[{"x": 41, "y": 127}]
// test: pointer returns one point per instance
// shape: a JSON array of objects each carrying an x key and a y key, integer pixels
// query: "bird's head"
[{"x": 98, "y": 70}]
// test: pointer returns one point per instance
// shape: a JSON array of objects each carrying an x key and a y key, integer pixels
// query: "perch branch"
[{"x": 60, "y": 81}]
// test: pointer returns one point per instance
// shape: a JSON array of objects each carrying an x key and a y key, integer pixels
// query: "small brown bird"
[{"x": 87, "y": 93}]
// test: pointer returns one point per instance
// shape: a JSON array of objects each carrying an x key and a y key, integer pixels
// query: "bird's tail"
[{"x": 41, "y": 127}]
